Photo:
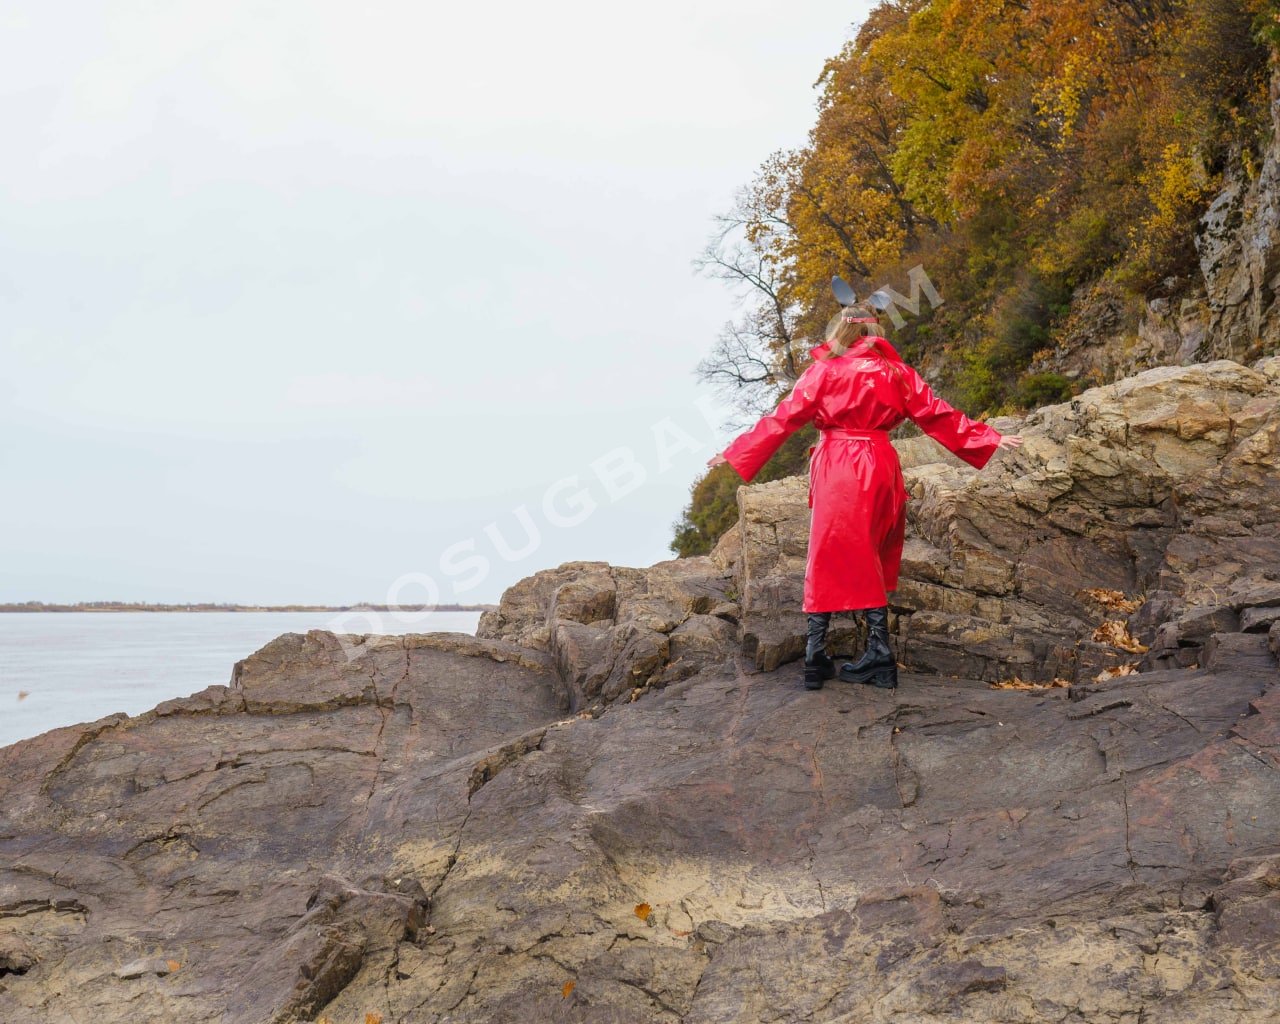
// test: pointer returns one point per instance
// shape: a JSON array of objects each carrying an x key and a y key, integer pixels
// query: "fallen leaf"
[
  {"x": 173, "y": 965},
  {"x": 1116, "y": 633},
  {"x": 568, "y": 987},
  {"x": 23, "y": 694},
  {"x": 1129, "y": 669},
  {"x": 682, "y": 934},
  {"x": 1111, "y": 599},
  {"x": 643, "y": 910},
  {"x": 1018, "y": 683},
  {"x": 373, "y": 1018}
]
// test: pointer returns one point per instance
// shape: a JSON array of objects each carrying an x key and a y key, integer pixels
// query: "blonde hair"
[{"x": 843, "y": 334}]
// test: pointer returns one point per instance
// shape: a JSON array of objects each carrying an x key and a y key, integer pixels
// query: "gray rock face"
[
  {"x": 416, "y": 835},
  {"x": 618, "y": 803},
  {"x": 224, "y": 856},
  {"x": 1152, "y": 504},
  {"x": 1239, "y": 249},
  {"x": 613, "y": 631}
]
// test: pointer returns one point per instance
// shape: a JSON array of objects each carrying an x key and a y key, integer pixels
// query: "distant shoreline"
[{"x": 124, "y": 606}]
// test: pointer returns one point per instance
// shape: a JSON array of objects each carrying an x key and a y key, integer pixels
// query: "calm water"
[{"x": 78, "y": 667}]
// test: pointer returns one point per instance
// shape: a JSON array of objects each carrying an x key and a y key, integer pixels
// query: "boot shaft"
[{"x": 816, "y": 639}]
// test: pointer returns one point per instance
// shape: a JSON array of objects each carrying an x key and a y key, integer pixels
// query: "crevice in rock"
[
  {"x": 839, "y": 990},
  {"x": 817, "y": 768},
  {"x": 172, "y": 835},
  {"x": 85, "y": 738},
  {"x": 1165, "y": 707},
  {"x": 1255, "y": 754},
  {"x": 905, "y": 780},
  {"x": 384, "y": 713},
  {"x": 452, "y": 860},
  {"x": 470, "y": 990},
  {"x": 1130, "y": 863},
  {"x": 813, "y": 860},
  {"x": 24, "y": 907},
  {"x": 488, "y": 768},
  {"x": 223, "y": 792},
  {"x": 697, "y": 985},
  {"x": 652, "y": 996}
]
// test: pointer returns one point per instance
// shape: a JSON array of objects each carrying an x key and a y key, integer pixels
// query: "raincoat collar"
[{"x": 824, "y": 350}]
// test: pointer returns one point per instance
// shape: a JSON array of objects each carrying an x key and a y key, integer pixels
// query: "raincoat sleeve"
[
  {"x": 750, "y": 451},
  {"x": 972, "y": 440}
]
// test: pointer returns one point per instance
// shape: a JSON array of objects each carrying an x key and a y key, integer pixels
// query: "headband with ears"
[
  {"x": 846, "y": 296},
  {"x": 878, "y": 301}
]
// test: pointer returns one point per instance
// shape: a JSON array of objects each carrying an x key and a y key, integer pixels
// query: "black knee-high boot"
[
  {"x": 877, "y": 666},
  {"x": 818, "y": 665}
]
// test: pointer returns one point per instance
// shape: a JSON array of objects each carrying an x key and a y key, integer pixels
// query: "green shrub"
[{"x": 1037, "y": 389}]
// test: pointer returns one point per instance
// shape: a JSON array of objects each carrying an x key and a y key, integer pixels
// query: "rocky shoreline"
[
  {"x": 109, "y": 607},
  {"x": 616, "y": 803}
]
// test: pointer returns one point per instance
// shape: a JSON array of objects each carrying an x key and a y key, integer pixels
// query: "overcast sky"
[{"x": 330, "y": 302}]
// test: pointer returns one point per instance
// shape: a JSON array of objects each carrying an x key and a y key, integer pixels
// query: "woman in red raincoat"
[{"x": 856, "y": 390}]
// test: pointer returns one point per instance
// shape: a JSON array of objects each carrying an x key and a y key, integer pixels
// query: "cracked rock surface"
[
  {"x": 419, "y": 833},
  {"x": 618, "y": 803}
]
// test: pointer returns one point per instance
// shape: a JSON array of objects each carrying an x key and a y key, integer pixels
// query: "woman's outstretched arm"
[
  {"x": 972, "y": 440},
  {"x": 750, "y": 451}
]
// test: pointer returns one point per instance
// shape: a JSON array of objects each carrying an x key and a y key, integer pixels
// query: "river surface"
[{"x": 61, "y": 668}]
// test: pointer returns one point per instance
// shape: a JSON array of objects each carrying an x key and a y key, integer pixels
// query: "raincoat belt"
[{"x": 842, "y": 432}]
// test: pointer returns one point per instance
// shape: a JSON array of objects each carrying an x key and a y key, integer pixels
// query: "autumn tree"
[{"x": 1020, "y": 151}]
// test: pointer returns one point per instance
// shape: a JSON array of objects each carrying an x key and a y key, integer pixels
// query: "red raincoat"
[{"x": 856, "y": 490}]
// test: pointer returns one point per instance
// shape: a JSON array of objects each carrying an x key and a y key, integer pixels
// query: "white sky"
[{"x": 296, "y": 297}]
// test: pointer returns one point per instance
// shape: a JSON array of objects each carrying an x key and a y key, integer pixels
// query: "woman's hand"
[
  {"x": 716, "y": 460},
  {"x": 1009, "y": 441}
]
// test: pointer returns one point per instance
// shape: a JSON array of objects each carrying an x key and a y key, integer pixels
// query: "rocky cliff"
[
  {"x": 618, "y": 804},
  {"x": 1226, "y": 310}
]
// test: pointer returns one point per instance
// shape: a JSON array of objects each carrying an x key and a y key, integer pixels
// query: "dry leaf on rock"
[
  {"x": 1111, "y": 599},
  {"x": 1017, "y": 683},
  {"x": 1111, "y": 673},
  {"x": 1116, "y": 633}
]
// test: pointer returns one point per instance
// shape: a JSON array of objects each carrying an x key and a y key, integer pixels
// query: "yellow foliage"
[{"x": 985, "y": 140}]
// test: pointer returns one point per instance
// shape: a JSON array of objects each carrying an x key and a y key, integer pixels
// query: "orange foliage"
[{"x": 983, "y": 138}]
